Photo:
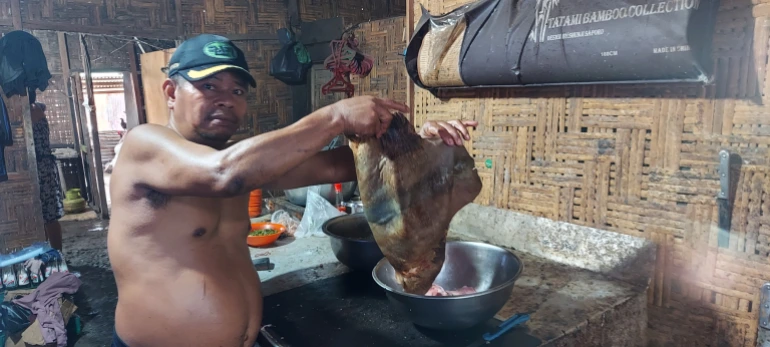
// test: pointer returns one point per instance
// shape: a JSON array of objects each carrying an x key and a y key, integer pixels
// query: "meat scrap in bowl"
[{"x": 436, "y": 290}]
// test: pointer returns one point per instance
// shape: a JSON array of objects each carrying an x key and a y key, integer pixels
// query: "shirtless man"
[{"x": 177, "y": 237}]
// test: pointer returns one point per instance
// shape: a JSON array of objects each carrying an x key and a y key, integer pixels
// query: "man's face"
[{"x": 212, "y": 108}]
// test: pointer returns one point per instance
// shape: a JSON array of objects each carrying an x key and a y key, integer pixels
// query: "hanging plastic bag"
[
  {"x": 291, "y": 63},
  {"x": 317, "y": 212},
  {"x": 284, "y": 218}
]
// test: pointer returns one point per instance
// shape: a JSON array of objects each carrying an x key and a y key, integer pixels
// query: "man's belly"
[{"x": 214, "y": 303}]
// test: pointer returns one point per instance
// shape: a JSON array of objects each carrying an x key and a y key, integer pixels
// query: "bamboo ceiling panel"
[
  {"x": 642, "y": 160},
  {"x": 149, "y": 18}
]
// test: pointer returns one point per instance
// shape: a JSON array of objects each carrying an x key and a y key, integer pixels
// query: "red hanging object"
[
  {"x": 345, "y": 58},
  {"x": 339, "y": 83}
]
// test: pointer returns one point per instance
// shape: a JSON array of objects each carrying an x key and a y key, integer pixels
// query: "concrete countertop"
[
  {"x": 583, "y": 286},
  {"x": 297, "y": 262}
]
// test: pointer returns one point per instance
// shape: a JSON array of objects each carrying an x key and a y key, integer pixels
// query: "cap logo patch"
[{"x": 219, "y": 50}]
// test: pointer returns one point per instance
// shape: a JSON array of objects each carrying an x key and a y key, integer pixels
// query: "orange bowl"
[{"x": 264, "y": 240}]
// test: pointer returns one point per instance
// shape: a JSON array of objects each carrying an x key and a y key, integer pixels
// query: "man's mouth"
[{"x": 224, "y": 118}]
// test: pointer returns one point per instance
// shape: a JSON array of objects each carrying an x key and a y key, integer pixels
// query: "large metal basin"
[
  {"x": 352, "y": 241},
  {"x": 489, "y": 269},
  {"x": 298, "y": 196}
]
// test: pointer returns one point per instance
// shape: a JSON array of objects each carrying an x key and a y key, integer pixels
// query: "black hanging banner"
[{"x": 555, "y": 42}]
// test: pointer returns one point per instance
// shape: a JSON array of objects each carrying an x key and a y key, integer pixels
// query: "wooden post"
[
  {"x": 85, "y": 158},
  {"x": 410, "y": 23},
  {"x": 16, "y": 13},
  {"x": 138, "y": 98},
  {"x": 96, "y": 150},
  {"x": 293, "y": 7},
  {"x": 32, "y": 160},
  {"x": 65, "y": 68},
  {"x": 179, "y": 23}
]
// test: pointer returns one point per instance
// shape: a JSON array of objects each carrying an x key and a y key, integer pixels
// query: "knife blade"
[{"x": 725, "y": 197}]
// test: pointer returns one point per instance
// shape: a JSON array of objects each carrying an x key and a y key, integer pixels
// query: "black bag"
[
  {"x": 287, "y": 66},
  {"x": 13, "y": 318}
]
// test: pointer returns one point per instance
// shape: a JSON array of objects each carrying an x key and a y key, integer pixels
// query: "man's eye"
[
  {"x": 239, "y": 92},
  {"x": 208, "y": 86}
]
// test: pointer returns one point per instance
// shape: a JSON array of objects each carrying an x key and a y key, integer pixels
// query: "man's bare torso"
[{"x": 182, "y": 267}]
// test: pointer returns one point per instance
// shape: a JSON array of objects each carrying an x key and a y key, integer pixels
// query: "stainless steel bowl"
[
  {"x": 352, "y": 241},
  {"x": 489, "y": 269},
  {"x": 298, "y": 196}
]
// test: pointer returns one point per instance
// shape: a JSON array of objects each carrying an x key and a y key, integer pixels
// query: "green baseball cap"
[{"x": 205, "y": 55}]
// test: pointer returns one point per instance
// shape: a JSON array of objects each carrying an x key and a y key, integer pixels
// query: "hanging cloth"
[{"x": 23, "y": 66}]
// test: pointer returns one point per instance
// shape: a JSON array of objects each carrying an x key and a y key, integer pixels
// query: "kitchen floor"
[{"x": 85, "y": 248}]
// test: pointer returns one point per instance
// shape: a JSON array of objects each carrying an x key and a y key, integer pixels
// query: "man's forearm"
[
  {"x": 333, "y": 166},
  {"x": 256, "y": 161}
]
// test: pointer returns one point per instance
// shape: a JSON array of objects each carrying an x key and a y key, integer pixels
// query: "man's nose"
[{"x": 225, "y": 101}]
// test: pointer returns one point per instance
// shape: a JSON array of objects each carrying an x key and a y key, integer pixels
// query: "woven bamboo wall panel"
[
  {"x": 384, "y": 40},
  {"x": 267, "y": 16},
  {"x": 270, "y": 103},
  {"x": 20, "y": 212},
  {"x": 57, "y": 112},
  {"x": 352, "y": 11},
  {"x": 233, "y": 16},
  {"x": 642, "y": 160}
]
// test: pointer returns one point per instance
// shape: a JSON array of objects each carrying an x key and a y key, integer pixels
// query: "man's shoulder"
[
  {"x": 145, "y": 139},
  {"x": 148, "y": 134},
  {"x": 143, "y": 130}
]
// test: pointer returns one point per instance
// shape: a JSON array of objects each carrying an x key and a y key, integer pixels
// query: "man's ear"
[{"x": 169, "y": 90}]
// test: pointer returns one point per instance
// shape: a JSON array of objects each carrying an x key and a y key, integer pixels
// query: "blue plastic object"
[
  {"x": 508, "y": 324},
  {"x": 30, "y": 252}
]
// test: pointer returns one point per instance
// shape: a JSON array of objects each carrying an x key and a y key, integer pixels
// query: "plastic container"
[
  {"x": 264, "y": 240},
  {"x": 338, "y": 193},
  {"x": 255, "y": 203}
]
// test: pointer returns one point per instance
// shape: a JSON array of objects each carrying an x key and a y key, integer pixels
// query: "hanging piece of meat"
[{"x": 411, "y": 188}]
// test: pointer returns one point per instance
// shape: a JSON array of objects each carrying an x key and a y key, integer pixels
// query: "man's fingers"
[
  {"x": 394, "y": 105},
  {"x": 430, "y": 130},
  {"x": 461, "y": 128},
  {"x": 470, "y": 123},
  {"x": 385, "y": 118},
  {"x": 452, "y": 132}
]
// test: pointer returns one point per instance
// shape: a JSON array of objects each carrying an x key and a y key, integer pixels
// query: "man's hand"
[
  {"x": 365, "y": 116},
  {"x": 452, "y": 132}
]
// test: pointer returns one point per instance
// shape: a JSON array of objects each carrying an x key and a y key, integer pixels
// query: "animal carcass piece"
[
  {"x": 437, "y": 290},
  {"x": 411, "y": 189}
]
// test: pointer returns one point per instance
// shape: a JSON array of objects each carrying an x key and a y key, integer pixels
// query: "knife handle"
[{"x": 509, "y": 324}]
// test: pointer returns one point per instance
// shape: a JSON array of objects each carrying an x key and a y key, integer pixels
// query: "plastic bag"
[
  {"x": 284, "y": 218},
  {"x": 30, "y": 252},
  {"x": 317, "y": 212},
  {"x": 291, "y": 63},
  {"x": 13, "y": 318}
]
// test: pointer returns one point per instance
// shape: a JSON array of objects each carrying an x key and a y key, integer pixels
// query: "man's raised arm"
[{"x": 162, "y": 160}]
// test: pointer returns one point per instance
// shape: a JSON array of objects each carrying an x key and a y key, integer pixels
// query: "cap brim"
[{"x": 200, "y": 73}]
